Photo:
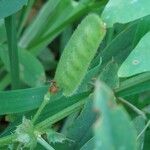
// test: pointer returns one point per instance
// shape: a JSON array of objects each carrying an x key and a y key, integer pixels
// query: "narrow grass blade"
[{"x": 13, "y": 50}]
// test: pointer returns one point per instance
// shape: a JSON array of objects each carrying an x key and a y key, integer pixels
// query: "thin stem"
[
  {"x": 60, "y": 115},
  {"x": 44, "y": 143},
  {"x": 42, "y": 126},
  {"x": 13, "y": 50},
  {"x": 138, "y": 111},
  {"x": 42, "y": 106},
  {"x": 140, "y": 134}
]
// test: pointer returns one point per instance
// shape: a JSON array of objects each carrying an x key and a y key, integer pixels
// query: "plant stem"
[
  {"x": 13, "y": 50},
  {"x": 40, "y": 127},
  {"x": 44, "y": 143},
  {"x": 147, "y": 125},
  {"x": 60, "y": 115},
  {"x": 138, "y": 111},
  {"x": 42, "y": 106}
]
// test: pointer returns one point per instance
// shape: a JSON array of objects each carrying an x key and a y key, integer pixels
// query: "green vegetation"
[{"x": 74, "y": 75}]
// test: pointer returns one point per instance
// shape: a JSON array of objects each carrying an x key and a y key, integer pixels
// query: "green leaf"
[
  {"x": 119, "y": 11},
  {"x": 142, "y": 29},
  {"x": 80, "y": 131},
  {"x": 21, "y": 100},
  {"x": 65, "y": 36},
  {"x": 147, "y": 109},
  {"x": 10, "y": 24},
  {"x": 139, "y": 124},
  {"x": 5, "y": 81},
  {"x": 139, "y": 59},
  {"x": 8, "y": 7},
  {"x": 34, "y": 30},
  {"x": 47, "y": 59},
  {"x": 120, "y": 47},
  {"x": 39, "y": 147},
  {"x": 56, "y": 106},
  {"x": 2, "y": 31},
  {"x": 60, "y": 108},
  {"x": 91, "y": 74},
  {"x": 146, "y": 142},
  {"x": 65, "y": 12},
  {"x": 113, "y": 130},
  {"x": 89, "y": 145},
  {"x": 25, "y": 12},
  {"x": 133, "y": 90},
  {"x": 109, "y": 74},
  {"x": 31, "y": 70},
  {"x": 77, "y": 130},
  {"x": 55, "y": 111}
]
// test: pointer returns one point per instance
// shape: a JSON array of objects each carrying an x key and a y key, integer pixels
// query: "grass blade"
[{"x": 13, "y": 50}]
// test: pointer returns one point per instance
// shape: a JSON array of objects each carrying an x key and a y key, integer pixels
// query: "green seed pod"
[{"x": 78, "y": 54}]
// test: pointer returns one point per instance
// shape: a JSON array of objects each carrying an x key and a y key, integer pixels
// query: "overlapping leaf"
[
  {"x": 139, "y": 59},
  {"x": 123, "y": 11},
  {"x": 113, "y": 130},
  {"x": 8, "y": 7}
]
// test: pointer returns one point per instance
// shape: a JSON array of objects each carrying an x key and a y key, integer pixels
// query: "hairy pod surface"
[{"x": 78, "y": 53}]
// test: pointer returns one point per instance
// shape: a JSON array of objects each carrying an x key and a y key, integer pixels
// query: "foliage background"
[{"x": 32, "y": 39}]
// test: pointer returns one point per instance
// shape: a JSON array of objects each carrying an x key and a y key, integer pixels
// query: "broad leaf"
[
  {"x": 123, "y": 11},
  {"x": 118, "y": 48},
  {"x": 139, "y": 59},
  {"x": 31, "y": 70},
  {"x": 113, "y": 130},
  {"x": 8, "y": 7},
  {"x": 81, "y": 129},
  {"x": 142, "y": 29}
]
